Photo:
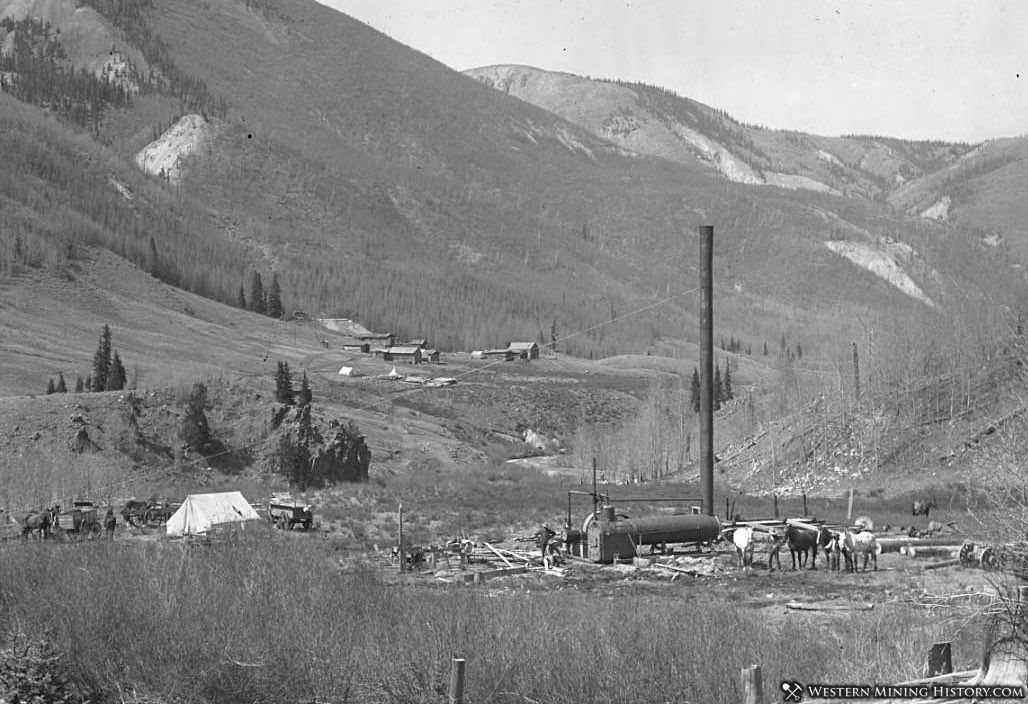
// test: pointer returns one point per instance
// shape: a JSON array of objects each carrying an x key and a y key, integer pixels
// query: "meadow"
[{"x": 262, "y": 619}]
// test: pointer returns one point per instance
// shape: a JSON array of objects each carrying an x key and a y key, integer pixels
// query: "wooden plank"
[{"x": 498, "y": 554}]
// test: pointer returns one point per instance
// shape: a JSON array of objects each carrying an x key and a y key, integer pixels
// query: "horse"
[
  {"x": 38, "y": 522},
  {"x": 802, "y": 542},
  {"x": 746, "y": 539},
  {"x": 133, "y": 510},
  {"x": 861, "y": 542},
  {"x": 832, "y": 544},
  {"x": 921, "y": 507}
]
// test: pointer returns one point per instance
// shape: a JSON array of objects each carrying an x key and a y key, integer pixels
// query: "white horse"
[
  {"x": 861, "y": 542},
  {"x": 746, "y": 539}
]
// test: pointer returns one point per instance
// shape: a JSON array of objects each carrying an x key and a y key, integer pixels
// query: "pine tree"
[
  {"x": 765, "y": 348},
  {"x": 305, "y": 396},
  {"x": 719, "y": 390},
  {"x": 62, "y": 388},
  {"x": 729, "y": 394},
  {"x": 50, "y": 386},
  {"x": 284, "y": 385},
  {"x": 195, "y": 431},
  {"x": 102, "y": 361},
  {"x": 257, "y": 302},
  {"x": 117, "y": 374},
  {"x": 89, "y": 382},
  {"x": 153, "y": 264},
  {"x": 694, "y": 391},
  {"x": 275, "y": 297},
  {"x": 242, "y": 298},
  {"x": 79, "y": 385}
]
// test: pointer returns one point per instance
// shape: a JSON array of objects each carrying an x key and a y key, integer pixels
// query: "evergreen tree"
[
  {"x": 50, "y": 386},
  {"x": 729, "y": 394},
  {"x": 89, "y": 382},
  {"x": 153, "y": 264},
  {"x": 799, "y": 351},
  {"x": 694, "y": 391},
  {"x": 719, "y": 390},
  {"x": 79, "y": 385},
  {"x": 102, "y": 361},
  {"x": 242, "y": 298},
  {"x": 257, "y": 302},
  {"x": 274, "y": 297},
  {"x": 116, "y": 375},
  {"x": 195, "y": 431},
  {"x": 61, "y": 388},
  {"x": 305, "y": 396},
  {"x": 553, "y": 335},
  {"x": 765, "y": 348},
  {"x": 284, "y": 385}
]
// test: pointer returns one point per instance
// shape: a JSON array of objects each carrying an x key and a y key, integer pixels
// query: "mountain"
[
  {"x": 229, "y": 139},
  {"x": 972, "y": 186}
]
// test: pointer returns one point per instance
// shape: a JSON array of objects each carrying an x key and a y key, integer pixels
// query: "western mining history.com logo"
[{"x": 795, "y": 692}]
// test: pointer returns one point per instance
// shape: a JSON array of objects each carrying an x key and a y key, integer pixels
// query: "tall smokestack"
[{"x": 707, "y": 368}]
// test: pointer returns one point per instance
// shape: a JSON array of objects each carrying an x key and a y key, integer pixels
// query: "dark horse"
[
  {"x": 801, "y": 542},
  {"x": 831, "y": 543},
  {"x": 922, "y": 508},
  {"x": 38, "y": 522}
]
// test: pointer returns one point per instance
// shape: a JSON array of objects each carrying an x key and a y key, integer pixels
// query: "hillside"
[
  {"x": 971, "y": 186},
  {"x": 286, "y": 140}
]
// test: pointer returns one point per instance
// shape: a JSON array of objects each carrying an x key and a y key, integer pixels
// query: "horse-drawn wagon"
[
  {"x": 287, "y": 513},
  {"x": 81, "y": 521}
]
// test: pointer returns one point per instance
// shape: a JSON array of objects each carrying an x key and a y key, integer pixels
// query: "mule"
[
  {"x": 802, "y": 543},
  {"x": 863, "y": 543}
]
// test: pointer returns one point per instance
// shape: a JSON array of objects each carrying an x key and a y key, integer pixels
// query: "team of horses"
[
  {"x": 79, "y": 522},
  {"x": 844, "y": 546}
]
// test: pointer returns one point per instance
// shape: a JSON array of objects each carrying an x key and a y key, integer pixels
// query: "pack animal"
[
  {"x": 38, "y": 522},
  {"x": 746, "y": 539},
  {"x": 832, "y": 545},
  {"x": 921, "y": 507},
  {"x": 861, "y": 542},
  {"x": 802, "y": 543}
]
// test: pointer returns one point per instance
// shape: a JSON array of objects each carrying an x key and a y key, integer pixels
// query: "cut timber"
[
  {"x": 680, "y": 570},
  {"x": 498, "y": 554},
  {"x": 894, "y": 544},
  {"x": 828, "y": 606},
  {"x": 944, "y": 563},
  {"x": 929, "y": 550}
]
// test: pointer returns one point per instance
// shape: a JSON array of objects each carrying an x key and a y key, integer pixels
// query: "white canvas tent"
[
  {"x": 201, "y": 511},
  {"x": 347, "y": 371}
]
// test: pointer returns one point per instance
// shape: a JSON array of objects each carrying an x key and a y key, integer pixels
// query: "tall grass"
[{"x": 263, "y": 621}]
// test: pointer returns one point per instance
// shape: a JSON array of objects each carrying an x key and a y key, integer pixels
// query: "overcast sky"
[{"x": 917, "y": 69}]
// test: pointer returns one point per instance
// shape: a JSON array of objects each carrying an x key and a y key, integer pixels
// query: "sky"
[{"x": 914, "y": 69}]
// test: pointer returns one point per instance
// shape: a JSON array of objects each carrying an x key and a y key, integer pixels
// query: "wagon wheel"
[
  {"x": 967, "y": 555},
  {"x": 991, "y": 558}
]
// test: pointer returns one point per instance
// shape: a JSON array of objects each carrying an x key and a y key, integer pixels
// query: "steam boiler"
[{"x": 611, "y": 537}]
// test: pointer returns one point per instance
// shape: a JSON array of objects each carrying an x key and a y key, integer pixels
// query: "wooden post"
[
  {"x": 399, "y": 538},
  {"x": 849, "y": 511},
  {"x": 940, "y": 660},
  {"x": 775, "y": 497},
  {"x": 805, "y": 504},
  {"x": 457, "y": 681},
  {"x": 752, "y": 686}
]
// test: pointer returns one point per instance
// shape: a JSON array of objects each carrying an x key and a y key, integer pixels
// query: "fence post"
[
  {"x": 752, "y": 685},
  {"x": 457, "y": 681},
  {"x": 940, "y": 660}
]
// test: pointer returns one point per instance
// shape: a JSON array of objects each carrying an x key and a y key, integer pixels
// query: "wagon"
[
  {"x": 287, "y": 513},
  {"x": 81, "y": 521}
]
